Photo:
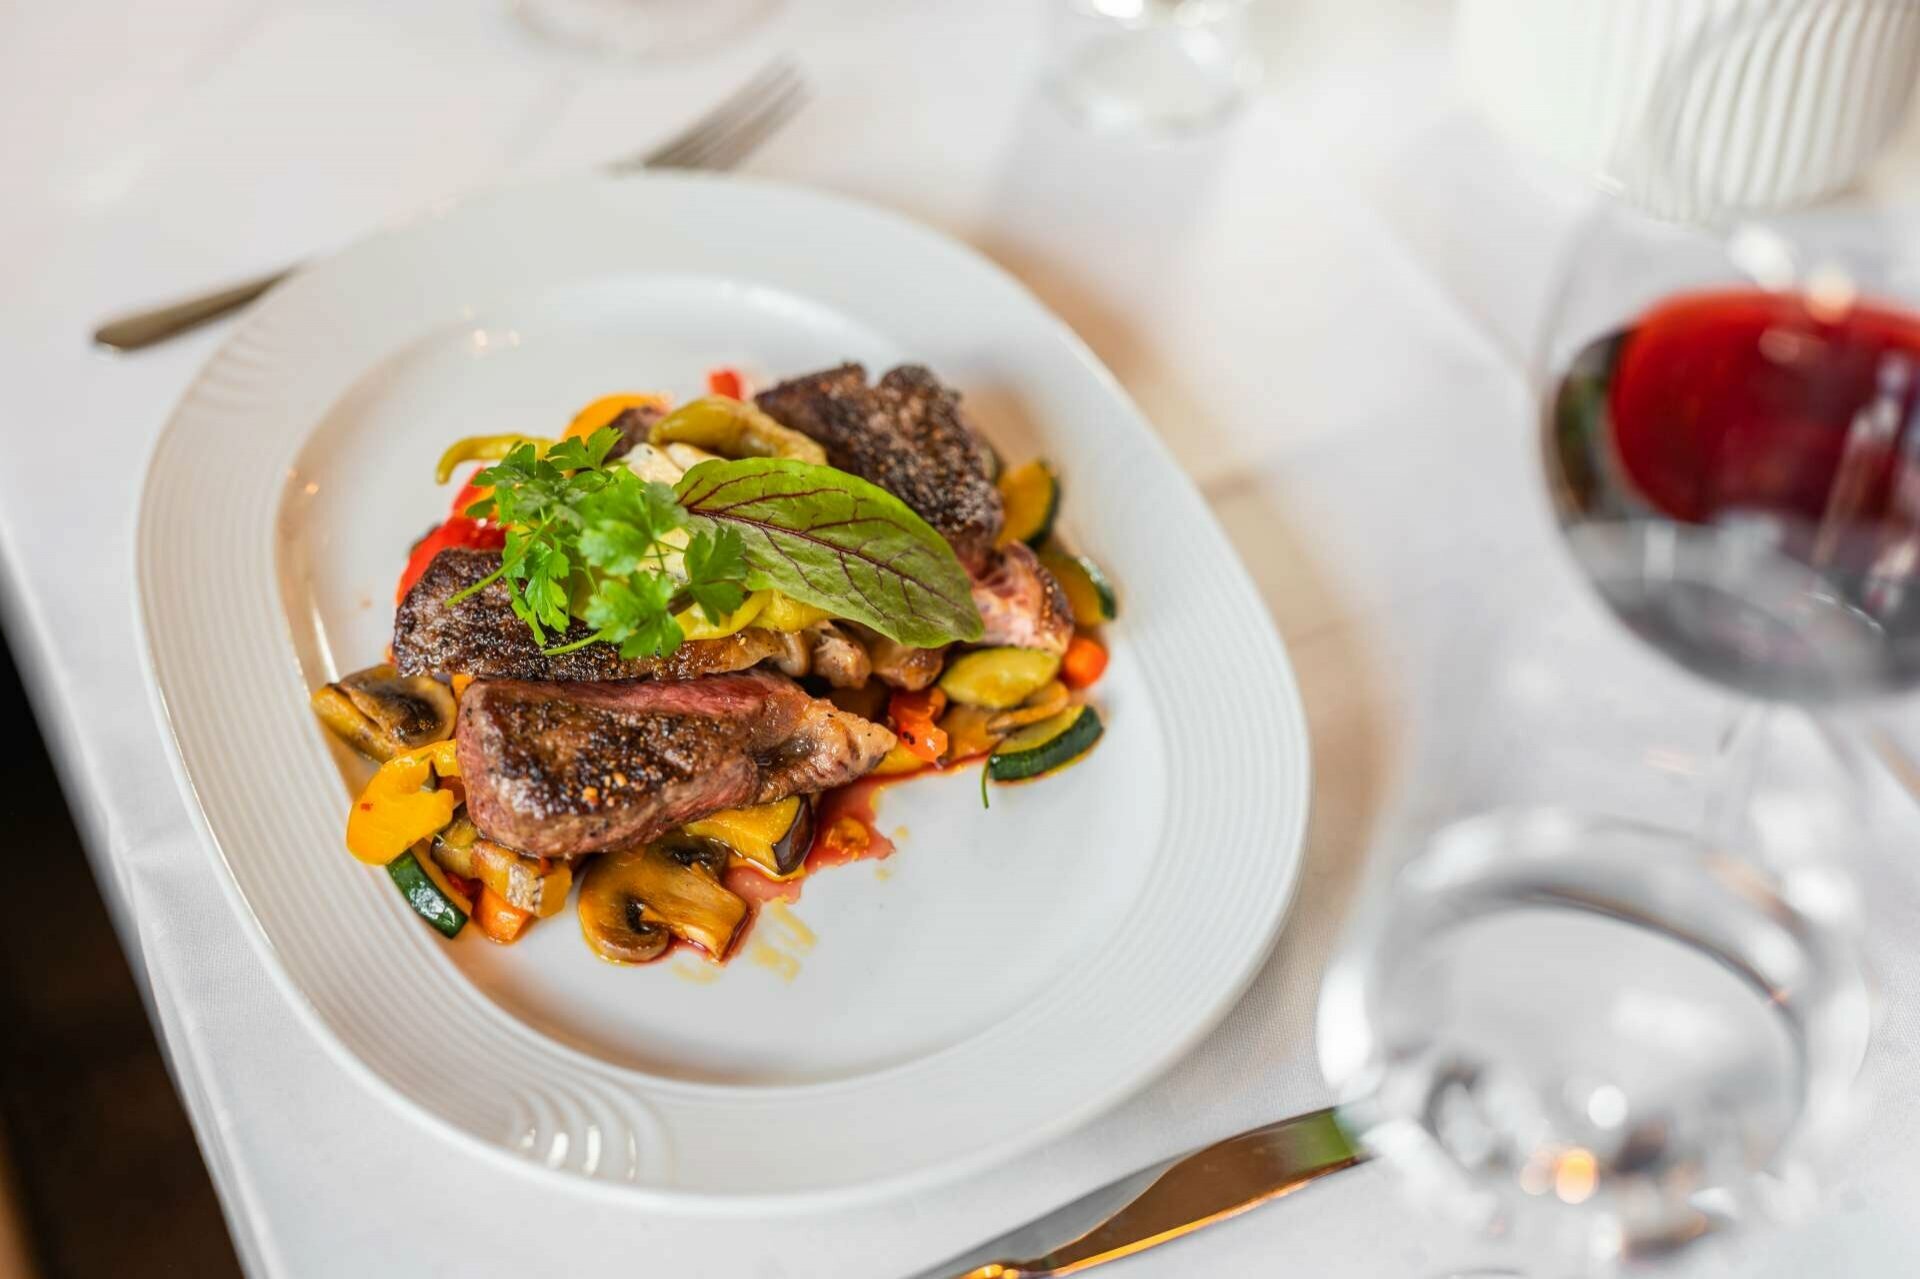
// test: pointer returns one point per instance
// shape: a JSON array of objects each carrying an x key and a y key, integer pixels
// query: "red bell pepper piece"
[
  {"x": 459, "y": 530},
  {"x": 727, "y": 382}
]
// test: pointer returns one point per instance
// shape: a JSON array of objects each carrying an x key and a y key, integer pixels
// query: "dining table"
[{"x": 1327, "y": 305}]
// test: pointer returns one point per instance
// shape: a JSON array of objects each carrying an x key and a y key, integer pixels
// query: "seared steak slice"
[
  {"x": 635, "y": 426},
  {"x": 558, "y": 770},
  {"x": 480, "y": 636},
  {"x": 1020, "y": 603},
  {"x": 904, "y": 433}
]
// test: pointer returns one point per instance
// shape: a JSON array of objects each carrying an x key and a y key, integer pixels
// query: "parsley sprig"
[{"x": 588, "y": 538}]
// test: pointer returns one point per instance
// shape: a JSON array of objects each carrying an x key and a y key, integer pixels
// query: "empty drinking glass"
[
  {"x": 1590, "y": 1013},
  {"x": 1151, "y": 67}
]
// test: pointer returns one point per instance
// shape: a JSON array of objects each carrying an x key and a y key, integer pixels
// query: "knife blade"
[{"x": 1163, "y": 1202}]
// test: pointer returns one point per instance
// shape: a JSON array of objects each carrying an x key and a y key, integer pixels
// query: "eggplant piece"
[
  {"x": 633, "y": 903},
  {"x": 453, "y": 847},
  {"x": 524, "y": 882},
  {"x": 381, "y": 713},
  {"x": 774, "y": 837}
]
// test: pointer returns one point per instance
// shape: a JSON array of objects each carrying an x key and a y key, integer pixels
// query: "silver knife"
[{"x": 1163, "y": 1202}]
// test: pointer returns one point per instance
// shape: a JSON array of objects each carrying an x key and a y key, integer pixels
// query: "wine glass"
[
  {"x": 1568, "y": 1019},
  {"x": 642, "y": 28},
  {"x": 1729, "y": 434}
]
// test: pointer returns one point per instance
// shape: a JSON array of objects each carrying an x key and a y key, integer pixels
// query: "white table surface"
[{"x": 1324, "y": 308}]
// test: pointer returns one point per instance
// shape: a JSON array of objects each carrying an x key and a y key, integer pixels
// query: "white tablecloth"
[{"x": 1324, "y": 308}]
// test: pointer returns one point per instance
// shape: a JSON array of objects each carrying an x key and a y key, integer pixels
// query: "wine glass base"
[{"x": 640, "y": 28}]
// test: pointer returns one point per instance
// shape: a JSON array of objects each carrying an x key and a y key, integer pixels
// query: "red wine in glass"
[{"x": 1739, "y": 473}]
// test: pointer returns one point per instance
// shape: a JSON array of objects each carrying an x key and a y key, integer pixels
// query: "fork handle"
[{"x": 137, "y": 329}]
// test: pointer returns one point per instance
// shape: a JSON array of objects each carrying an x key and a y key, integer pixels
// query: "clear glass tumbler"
[{"x": 1151, "y": 68}]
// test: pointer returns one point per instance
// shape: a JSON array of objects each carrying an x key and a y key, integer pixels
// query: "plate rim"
[{"x": 1286, "y": 698}]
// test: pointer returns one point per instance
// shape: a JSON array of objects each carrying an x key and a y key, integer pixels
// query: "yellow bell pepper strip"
[
  {"x": 608, "y": 407},
  {"x": 480, "y": 448},
  {"x": 394, "y": 812},
  {"x": 695, "y": 626},
  {"x": 784, "y": 613}
]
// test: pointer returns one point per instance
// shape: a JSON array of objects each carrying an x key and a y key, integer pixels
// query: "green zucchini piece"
[
  {"x": 1030, "y": 493},
  {"x": 1043, "y": 747},
  {"x": 426, "y": 889},
  {"x": 1087, "y": 588},
  {"x": 996, "y": 678}
]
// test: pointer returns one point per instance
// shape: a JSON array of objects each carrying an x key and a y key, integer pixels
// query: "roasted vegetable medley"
[{"x": 638, "y": 653}]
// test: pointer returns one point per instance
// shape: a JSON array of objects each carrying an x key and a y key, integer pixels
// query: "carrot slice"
[
  {"x": 1084, "y": 663},
  {"x": 913, "y": 716},
  {"x": 499, "y": 919}
]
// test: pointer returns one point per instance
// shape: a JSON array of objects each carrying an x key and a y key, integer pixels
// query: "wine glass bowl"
[{"x": 1736, "y": 468}]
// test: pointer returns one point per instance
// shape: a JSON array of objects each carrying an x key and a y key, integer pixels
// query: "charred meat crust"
[
  {"x": 560, "y": 770},
  {"x": 1021, "y": 604},
  {"x": 481, "y": 636},
  {"x": 906, "y": 434}
]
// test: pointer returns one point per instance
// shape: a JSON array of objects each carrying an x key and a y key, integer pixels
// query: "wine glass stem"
[{"x": 1735, "y": 765}]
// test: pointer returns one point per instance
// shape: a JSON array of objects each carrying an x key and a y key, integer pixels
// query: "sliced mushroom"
[
  {"x": 381, "y": 713},
  {"x": 796, "y": 656},
  {"x": 838, "y": 658},
  {"x": 688, "y": 456},
  {"x": 633, "y": 902},
  {"x": 1049, "y": 701}
]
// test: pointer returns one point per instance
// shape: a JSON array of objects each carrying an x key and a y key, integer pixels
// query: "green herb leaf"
[
  {"x": 586, "y": 534},
  {"x": 716, "y": 565},
  {"x": 837, "y": 542}
]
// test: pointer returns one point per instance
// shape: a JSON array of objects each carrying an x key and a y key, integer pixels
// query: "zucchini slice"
[
  {"x": 1087, "y": 588},
  {"x": 426, "y": 889},
  {"x": 997, "y": 678},
  {"x": 1031, "y": 494},
  {"x": 1043, "y": 747}
]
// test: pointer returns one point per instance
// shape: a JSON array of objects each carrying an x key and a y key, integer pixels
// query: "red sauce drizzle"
[{"x": 845, "y": 829}]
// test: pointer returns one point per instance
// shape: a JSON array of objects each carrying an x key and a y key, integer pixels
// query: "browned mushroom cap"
[
  {"x": 634, "y": 902},
  {"x": 381, "y": 713}
]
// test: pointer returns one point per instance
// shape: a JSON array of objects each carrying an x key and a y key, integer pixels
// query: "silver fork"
[{"x": 719, "y": 139}]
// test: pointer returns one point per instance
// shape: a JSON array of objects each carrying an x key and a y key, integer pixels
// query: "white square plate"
[{"x": 1009, "y": 973}]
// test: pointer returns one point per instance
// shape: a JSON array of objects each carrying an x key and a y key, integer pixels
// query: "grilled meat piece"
[
  {"x": 480, "y": 636},
  {"x": 838, "y": 658},
  {"x": 635, "y": 426},
  {"x": 900, "y": 665},
  {"x": 1020, "y": 603},
  {"x": 904, "y": 433},
  {"x": 558, "y": 770}
]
